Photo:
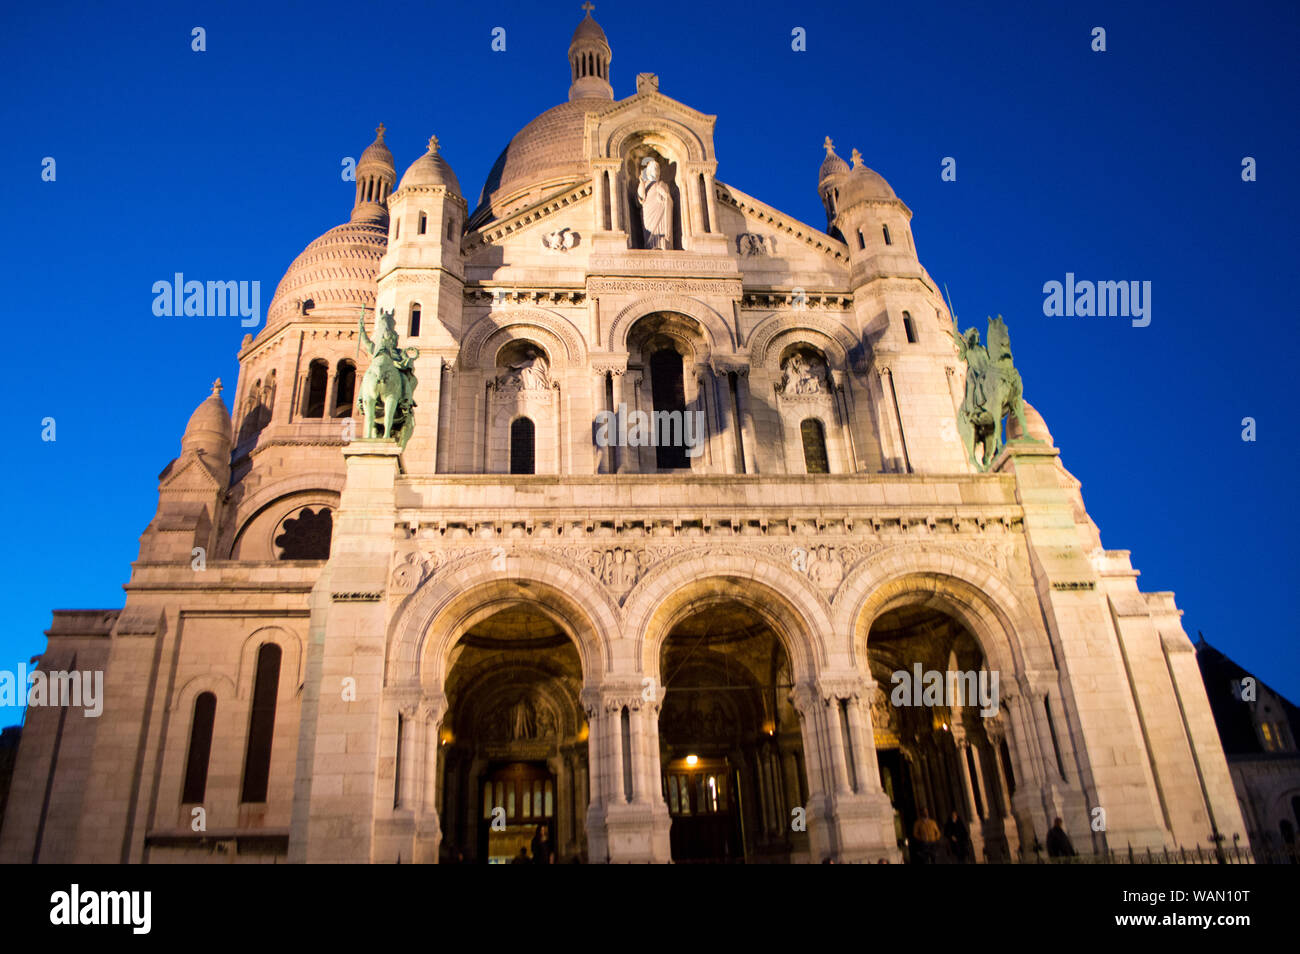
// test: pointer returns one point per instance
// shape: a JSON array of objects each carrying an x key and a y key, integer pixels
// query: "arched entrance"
[
  {"x": 730, "y": 746},
  {"x": 513, "y": 753},
  {"x": 939, "y": 742}
]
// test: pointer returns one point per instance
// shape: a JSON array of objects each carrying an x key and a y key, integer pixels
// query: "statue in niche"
[
  {"x": 804, "y": 374},
  {"x": 523, "y": 721},
  {"x": 529, "y": 373},
  {"x": 656, "y": 207}
]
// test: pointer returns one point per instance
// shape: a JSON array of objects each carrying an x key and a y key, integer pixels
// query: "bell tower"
[{"x": 589, "y": 58}]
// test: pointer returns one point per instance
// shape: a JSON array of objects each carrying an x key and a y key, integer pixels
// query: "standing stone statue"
[
  {"x": 656, "y": 207},
  {"x": 993, "y": 390},
  {"x": 389, "y": 381}
]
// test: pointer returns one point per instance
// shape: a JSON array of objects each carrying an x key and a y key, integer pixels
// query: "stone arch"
[
  {"x": 970, "y": 591},
  {"x": 657, "y": 131},
  {"x": 219, "y": 684},
  {"x": 481, "y": 691},
  {"x": 291, "y": 659},
  {"x": 560, "y": 338},
  {"x": 768, "y": 339},
  {"x": 788, "y": 603},
  {"x": 329, "y": 486},
  {"x": 435, "y": 616},
  {"x": 714, "y": 327}
]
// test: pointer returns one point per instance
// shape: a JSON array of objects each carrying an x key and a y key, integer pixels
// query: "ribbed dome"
[
  {"x": 589, "y": 29},
  {"x": 431, "y": 170},
  {"x": 209, "y": 428},
  {"x": 377, "y": 152},
  {"x": 548, "y": 149},
  {"x": 339, "y": 269},
  {"x": 832, "y": 164},
  {"x": 864, "y": 184}
]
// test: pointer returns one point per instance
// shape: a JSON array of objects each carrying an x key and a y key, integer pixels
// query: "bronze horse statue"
[{"x": 389, "y": 382}]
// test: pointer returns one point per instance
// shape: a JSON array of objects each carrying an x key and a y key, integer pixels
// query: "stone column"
[
  {"x": 861, "y": 823},
  {"x": 711, "y": 195},
  {"x": 746, "y": 419},
  {"x": 846, "y": 421},
  {"x": 428, "y": 829},
  {"x": 604, "y": 455},
  {"x": 835, "y": 736},
  {"x": 1010, "y": 830},
  {"x": 635, "y": 830},
  {"x": 728, "y": 421}
]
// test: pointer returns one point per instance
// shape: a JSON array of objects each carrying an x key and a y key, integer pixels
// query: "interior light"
[{"x": 692, "y": 760}]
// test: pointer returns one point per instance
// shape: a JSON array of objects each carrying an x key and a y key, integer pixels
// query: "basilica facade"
[{"x": 541, "y": 626}]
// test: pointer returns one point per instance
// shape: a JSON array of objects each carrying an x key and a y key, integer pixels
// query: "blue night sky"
[{"x": 1123, "y": 165}]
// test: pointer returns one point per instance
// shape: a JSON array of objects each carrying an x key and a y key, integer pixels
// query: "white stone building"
[{"x": 651, "y": 653}]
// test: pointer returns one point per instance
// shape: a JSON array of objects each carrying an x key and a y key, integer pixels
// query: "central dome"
[{"x": 545, "y": 155}]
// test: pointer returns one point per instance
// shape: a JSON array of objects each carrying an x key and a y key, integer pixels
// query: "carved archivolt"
[
  {"x": 835, "y": 340},
  {"x": 823, "y": 560},
  {"x": 715, "y": 328},
  {"x": 562, "y": 340},
  {"x": 680, "y": 139}
]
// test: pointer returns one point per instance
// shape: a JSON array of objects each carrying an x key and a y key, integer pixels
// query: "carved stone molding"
[{"x": 557, "y": 325}]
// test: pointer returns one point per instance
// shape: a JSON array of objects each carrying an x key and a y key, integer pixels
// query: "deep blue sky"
[{"x": 1116, "y": 165}]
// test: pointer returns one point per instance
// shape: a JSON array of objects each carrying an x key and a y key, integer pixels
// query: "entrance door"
[
  {"x": 705, "y": 812},
  {"x": 518, "y": 805}
]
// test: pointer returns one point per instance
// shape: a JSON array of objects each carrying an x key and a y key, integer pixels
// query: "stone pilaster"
[{"x": 338, "y": 755}]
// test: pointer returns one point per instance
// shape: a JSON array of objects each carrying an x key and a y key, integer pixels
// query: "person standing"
[
  {"x": 925, "y": 839},
  {"x": 958, "y": 839},
  {"x": 1058, "y": 842}
]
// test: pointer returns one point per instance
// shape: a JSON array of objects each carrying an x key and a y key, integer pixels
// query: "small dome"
[
  {"x": 339, "y": 269},
  {"x": 431, "y": 170},
  {"x": 1037, "y": 426},
  {"x": 377, "y": 152},
  {"x": 865, "y": 185},
  {"x": 209, "y": 429},
  {"x": 832, "y": 164},
  {"x": 588, "y": 30}
]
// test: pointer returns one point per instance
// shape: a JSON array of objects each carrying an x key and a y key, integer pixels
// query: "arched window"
[
  {"x": 814, "y": 446},
  {"x": 424, "y": 223},
  {"x": 306, "y": 535},
  {"x": 261, "y": 724},
  {"x": 909, "y": 327},
  {"x": 523, "y": 439},
  {"x": 415, "y": 321},
  {"x": 397, "y": 228},
  {"x": 345, "y": 388},
  {"x": 862, "y": 239},
  {"x": 885, "y": 230},
  {"x": 196, "y": 762},
  {"x": 317, "y": 375},
  {"x": 668, "y": 395},
  {"x": 451, "y": 230}
]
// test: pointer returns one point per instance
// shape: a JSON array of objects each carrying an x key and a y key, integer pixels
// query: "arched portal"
[
  {"x": 513, "y": 746},
  {"x": 938, "y": 742},
  {"x": 730, "y": 746}
]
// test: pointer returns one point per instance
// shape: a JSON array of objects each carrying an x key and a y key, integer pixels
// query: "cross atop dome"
[
  {"x": 830, "y": 146},
  {"x": 589, "y": 6},
  {"x": 216, "y": 386},
  {"x": 857, "y": 159},
  {"x": 433, "y": 145},
  {"x": 379, "y": 131}
]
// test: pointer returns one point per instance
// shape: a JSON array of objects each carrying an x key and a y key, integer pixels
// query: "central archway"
[
  {"x": 513, "y": 754},
  {"x": 730, "y": 743}
]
